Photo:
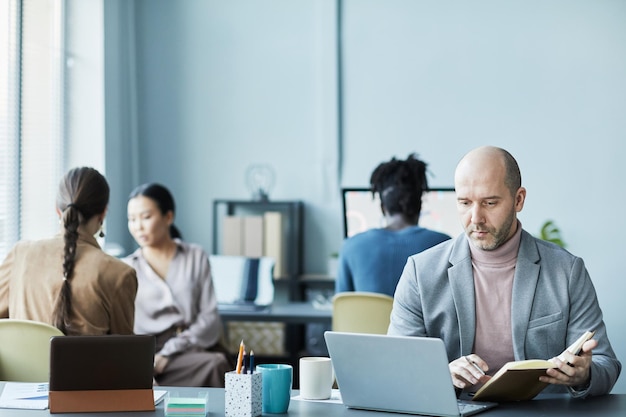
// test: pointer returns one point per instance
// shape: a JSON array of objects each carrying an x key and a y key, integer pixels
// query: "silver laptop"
[{"x": 397, "y": 374}]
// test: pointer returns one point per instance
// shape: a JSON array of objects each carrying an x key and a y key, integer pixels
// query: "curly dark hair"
[{"x": 400, "y": 184}]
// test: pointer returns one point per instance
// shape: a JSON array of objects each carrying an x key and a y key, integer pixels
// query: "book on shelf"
[
  {"x": 256, "y": 237},
  {"x": 232, "y": 235},
  {"x": 519, "y": 380},
  {"x": 253, "y": 236},
  {"x": 274, "y": 241},
  {"x": 242, "y": 236}
]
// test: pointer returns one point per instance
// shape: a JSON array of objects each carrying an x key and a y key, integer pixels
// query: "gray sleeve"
[
  {"x": 585, "y": 314},
  {"x": 406, "y": 316}
]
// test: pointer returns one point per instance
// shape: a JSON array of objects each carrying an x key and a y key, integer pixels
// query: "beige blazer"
[{"x": 103, "y": 287}]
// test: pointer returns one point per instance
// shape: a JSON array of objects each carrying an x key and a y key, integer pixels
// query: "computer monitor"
[{"x": 361, "y": 211}]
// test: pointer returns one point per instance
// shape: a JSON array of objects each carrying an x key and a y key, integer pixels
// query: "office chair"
[
  {"x": 25, "y": 350},
  {"x": 361, "y": 312}
]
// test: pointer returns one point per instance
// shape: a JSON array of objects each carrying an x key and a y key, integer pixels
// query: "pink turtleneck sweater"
[{"x": 493, "y": 285}]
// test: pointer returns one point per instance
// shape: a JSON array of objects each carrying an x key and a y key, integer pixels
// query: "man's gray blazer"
[{"x": 553, "y": 303}]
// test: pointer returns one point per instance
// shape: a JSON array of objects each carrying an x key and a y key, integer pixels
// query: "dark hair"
[
  {"x": 400, "y": 185},
  {"x": 162, "y": 197},
  {"x": 83, "y": 193},
  {"x": 513, "y": 177}
]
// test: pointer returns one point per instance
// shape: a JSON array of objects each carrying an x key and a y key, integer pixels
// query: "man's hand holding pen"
[{"x": 468, "y": 370}]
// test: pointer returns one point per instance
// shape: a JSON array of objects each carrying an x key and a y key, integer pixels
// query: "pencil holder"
[{"x": 243, "y": 395}]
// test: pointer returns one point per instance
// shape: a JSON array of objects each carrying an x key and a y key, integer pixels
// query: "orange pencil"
[{"x": 240, "y": 357}]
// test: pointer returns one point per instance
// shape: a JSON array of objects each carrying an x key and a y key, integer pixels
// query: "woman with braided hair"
[
  {"x": 373, "y": 260},
  {"x": 68, "y": 281}
]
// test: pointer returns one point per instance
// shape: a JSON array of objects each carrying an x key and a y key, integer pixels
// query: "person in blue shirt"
[{"x": 373, "y": 260}]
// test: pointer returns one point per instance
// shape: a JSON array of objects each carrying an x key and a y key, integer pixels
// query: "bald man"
[{"x": 497, "y": 294}]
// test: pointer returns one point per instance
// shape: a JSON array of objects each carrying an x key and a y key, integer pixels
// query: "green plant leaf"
[{"x": 551, "y": 233}]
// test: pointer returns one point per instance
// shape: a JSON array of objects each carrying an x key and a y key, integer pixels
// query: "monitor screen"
[{"x": 362, "y": 211}]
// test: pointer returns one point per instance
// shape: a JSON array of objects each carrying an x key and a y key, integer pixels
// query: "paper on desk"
[
  {"x": 34, "y": 395},
  {"x": 25, "y": 395},
  {"x": 335, "y": 398},
  {"x": 159, "y": 395}
]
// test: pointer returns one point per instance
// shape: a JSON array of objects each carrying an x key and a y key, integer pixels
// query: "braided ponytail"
[{"x": 83, "y": 193}]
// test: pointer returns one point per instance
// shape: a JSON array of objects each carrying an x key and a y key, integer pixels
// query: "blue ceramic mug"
[{"x": 276, "y": 391}]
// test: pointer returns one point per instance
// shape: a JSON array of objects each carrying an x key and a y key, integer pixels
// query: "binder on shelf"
[
  {"x": 274, "y": 241},
  {"x": 232, "y": 235},
  {"x": 253, "y": 236}
]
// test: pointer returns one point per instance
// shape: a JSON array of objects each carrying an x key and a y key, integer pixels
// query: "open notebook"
[{"x": 396, "y": 373}]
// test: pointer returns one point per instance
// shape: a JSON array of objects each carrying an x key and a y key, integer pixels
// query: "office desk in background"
[
  {"x": 288, "y": 313},
  {"x": 294, "y": 314},
  {"x": 553, "y": 406}
]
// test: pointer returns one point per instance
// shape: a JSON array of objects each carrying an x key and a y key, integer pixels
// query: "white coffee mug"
[{"x": 316, "y": 378}]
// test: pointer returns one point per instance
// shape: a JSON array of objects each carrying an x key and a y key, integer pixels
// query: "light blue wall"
[{"x": 221, "y": 85}]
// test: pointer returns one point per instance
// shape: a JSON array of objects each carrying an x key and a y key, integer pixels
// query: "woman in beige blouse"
[{"x": 176, "y": 299}]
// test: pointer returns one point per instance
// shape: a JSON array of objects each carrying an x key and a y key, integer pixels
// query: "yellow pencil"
[{"x": 240, "y": 357}]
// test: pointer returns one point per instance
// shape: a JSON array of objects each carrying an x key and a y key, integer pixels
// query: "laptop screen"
[{"x": 394, "y": 373}]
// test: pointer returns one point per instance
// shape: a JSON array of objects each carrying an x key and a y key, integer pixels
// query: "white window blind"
[
  {"x": 33, "y": 134},
  {"x": 9, "y": 122}
]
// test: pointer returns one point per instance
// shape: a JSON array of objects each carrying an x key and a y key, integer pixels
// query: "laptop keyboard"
[{"x": 468, "y": 406}]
